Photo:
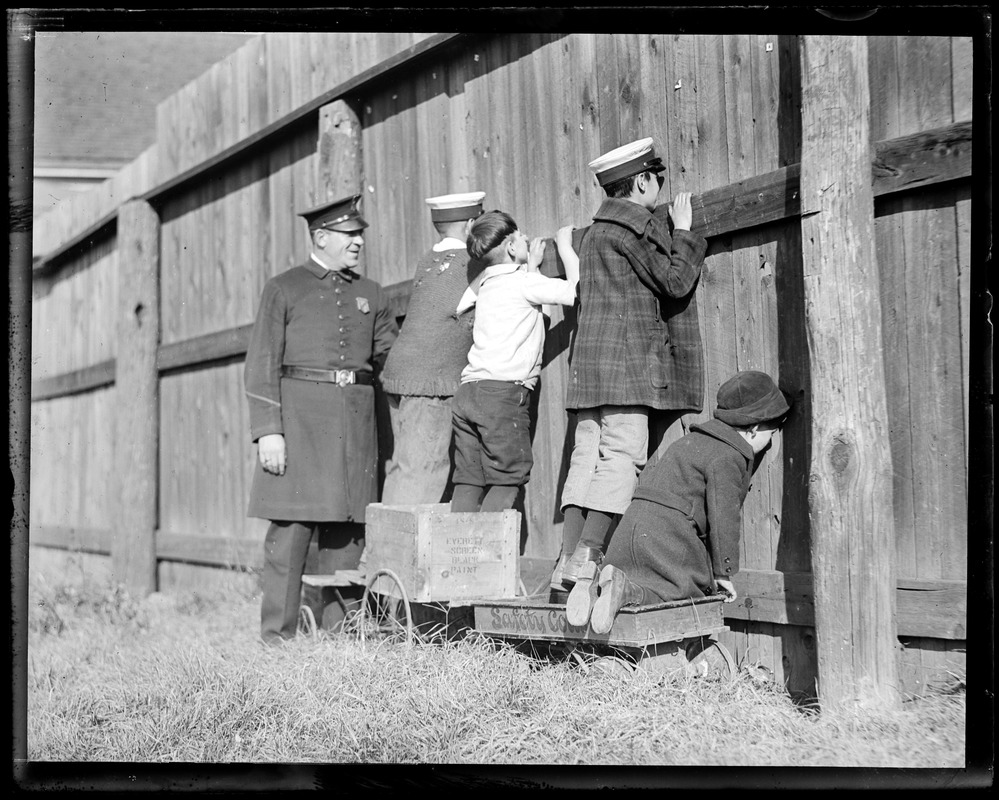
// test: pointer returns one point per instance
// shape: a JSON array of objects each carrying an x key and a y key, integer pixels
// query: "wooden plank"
[
  {"x": 934, "y": 609},
  {"x": 220, "y": 551},
  {"x": 850, "y": 499},
  {"x": 200, "y": 350},
  {"x": 81, "y": 380},
  {"x": 84, "y": 540},
  {"x": 924, "y": 83},
  {"x": 923, "y": 159},
  {"x": 895, "y": 316},
  {"x": 935, "y": 390},
  {"x": 136, "y": 441},
  {"x": 103, "y": 228}
]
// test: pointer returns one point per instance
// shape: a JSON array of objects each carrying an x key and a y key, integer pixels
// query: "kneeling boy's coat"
[{"x": 682, "y": 528}]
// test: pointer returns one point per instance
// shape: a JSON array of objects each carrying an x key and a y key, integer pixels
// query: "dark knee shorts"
[{"x": 492, "y": 436}]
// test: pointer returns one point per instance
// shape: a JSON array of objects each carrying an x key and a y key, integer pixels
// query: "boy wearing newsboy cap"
[
  {"x": 679, "y": 537},
  {"x": 637, "y": 348}
]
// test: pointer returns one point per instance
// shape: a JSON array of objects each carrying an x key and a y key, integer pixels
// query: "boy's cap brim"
[{"x": 623, "y": 162}]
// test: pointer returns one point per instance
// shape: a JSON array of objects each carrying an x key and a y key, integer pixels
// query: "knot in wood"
[{"x": 841, "y": 453}]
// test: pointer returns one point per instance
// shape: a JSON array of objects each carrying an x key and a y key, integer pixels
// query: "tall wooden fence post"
[
  {"x": 850, "y": 479},
  {"x": 136, "y": 432},
  {"x": 339, "y": 171}
]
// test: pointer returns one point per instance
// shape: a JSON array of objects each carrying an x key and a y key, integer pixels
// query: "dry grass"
[{"x": 184, "y": 679}]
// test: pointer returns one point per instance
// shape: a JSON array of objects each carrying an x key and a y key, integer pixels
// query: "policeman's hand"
[
  {"x": 272, "y": 453},
  {"x": 535, "y": 253},
  {"x": 727, "y": 588},
  {"x": 681, "y": 212}
]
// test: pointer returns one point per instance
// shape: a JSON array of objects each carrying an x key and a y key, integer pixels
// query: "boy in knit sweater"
[
  {"x": 424, "y": 367},
  {"x": 491, "y": 418},
  {"x": 679, "y": 537}
]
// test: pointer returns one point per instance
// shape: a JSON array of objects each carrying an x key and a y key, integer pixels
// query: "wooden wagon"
[{"x": 659, "y": 639}]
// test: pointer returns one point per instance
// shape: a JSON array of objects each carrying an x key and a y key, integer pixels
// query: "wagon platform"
[{"x": 659, "y": 639}]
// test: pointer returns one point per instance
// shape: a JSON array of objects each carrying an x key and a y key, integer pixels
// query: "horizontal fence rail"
[
  {"x": 925, "y": 608},
  {"x": 906, "y": 163}
]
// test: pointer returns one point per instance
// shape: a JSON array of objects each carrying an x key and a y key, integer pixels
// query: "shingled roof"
[{"x": 96, "y": 93}]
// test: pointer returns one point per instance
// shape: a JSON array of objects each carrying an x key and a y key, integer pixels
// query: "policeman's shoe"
[
  {"x": 616, "y": 591},
  {"x": 580, "y": 556},
  {"x": 582, "y": 596},
  {"x": 556, "y": 583}
]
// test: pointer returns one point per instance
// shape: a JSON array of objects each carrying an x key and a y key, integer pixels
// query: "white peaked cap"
[
  {"x": 455, "y": 207},
  {"x": 627, "y": 160}
]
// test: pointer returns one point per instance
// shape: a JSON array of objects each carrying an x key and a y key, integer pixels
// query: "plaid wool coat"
[{"x": 637, "y": 340}]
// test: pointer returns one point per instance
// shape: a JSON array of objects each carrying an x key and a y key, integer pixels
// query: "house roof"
[{"x": 96, "y": 93}]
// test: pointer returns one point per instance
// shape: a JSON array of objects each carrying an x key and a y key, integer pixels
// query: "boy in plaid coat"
[{"x": 637, "y": 348}]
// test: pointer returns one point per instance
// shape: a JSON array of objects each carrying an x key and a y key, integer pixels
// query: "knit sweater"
[{"x": 432, "y": 349}]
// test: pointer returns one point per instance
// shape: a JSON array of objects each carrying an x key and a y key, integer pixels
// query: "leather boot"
[
  {"x": 580, "y": 556},
  {"x": 557, "y": 574},
  {"x": 616, "y": 591},
  {"x": 577, "y": 607}
]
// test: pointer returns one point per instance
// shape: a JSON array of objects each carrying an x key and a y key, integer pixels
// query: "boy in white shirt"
[{"x": 491, "y": 411}]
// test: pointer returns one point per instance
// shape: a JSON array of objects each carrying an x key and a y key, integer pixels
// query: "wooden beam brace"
[
  {"x": 922, "y": 159},
  {"x": 229, "y": 343},
  {"x": 81, "y": 380}
]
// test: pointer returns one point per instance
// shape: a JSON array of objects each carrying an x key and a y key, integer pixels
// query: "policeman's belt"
[{"x": 341, "y": 377}]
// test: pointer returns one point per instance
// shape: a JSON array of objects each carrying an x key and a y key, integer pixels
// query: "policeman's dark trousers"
[{"x": 286, "y": 548}]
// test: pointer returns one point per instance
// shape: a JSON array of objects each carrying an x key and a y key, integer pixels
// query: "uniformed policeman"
[{"x": 321, "y": 333}]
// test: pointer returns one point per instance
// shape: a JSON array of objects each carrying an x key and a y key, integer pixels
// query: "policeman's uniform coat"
[
  {"x": 315, "y": 318},
  {"x": 637, "y": 340},
  {"x": 683, "y": 526}
]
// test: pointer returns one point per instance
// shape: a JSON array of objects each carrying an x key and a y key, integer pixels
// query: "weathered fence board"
[{"x": 136, "y": 433}]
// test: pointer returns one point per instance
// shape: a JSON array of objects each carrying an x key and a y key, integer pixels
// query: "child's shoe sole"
[
  {"x": 582, "y": 596},
  {"x": 612, "y": 585}
]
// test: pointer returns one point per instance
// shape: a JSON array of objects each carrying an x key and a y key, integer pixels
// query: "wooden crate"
[{"x": 441, "y": 556}]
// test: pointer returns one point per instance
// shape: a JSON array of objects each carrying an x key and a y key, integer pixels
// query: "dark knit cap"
[{"x": 750, "y": 398}]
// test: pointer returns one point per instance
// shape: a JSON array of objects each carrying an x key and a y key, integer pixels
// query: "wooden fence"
[{"x": 519, "y": 116}]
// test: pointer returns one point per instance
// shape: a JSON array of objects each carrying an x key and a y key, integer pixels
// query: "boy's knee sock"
[
  {"x": 466, "y": 497},
  {"x": 499, "y": 498},
  {"x": 572, "y": 528},
  {"x": 597, "y": 529}
]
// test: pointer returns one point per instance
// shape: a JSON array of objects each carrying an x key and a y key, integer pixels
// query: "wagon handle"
[{"x": 405, "y": 601}]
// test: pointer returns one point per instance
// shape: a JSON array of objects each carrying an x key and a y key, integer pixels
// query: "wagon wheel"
[
  {"x": 608, "y": 665},
  {"x": 386, "y": 615},
  {"x": 307, "y": 621},
  {"x": 707, "y": 658}
]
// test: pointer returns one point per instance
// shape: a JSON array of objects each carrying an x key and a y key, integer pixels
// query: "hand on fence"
[
  {"x": 563, "y": 237},
  {"x": 681, "y": 212},
  {"x": 727, "y": 588},
  {"x": 535, "y": 253},
  {"x": 272, "y": 453}
]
